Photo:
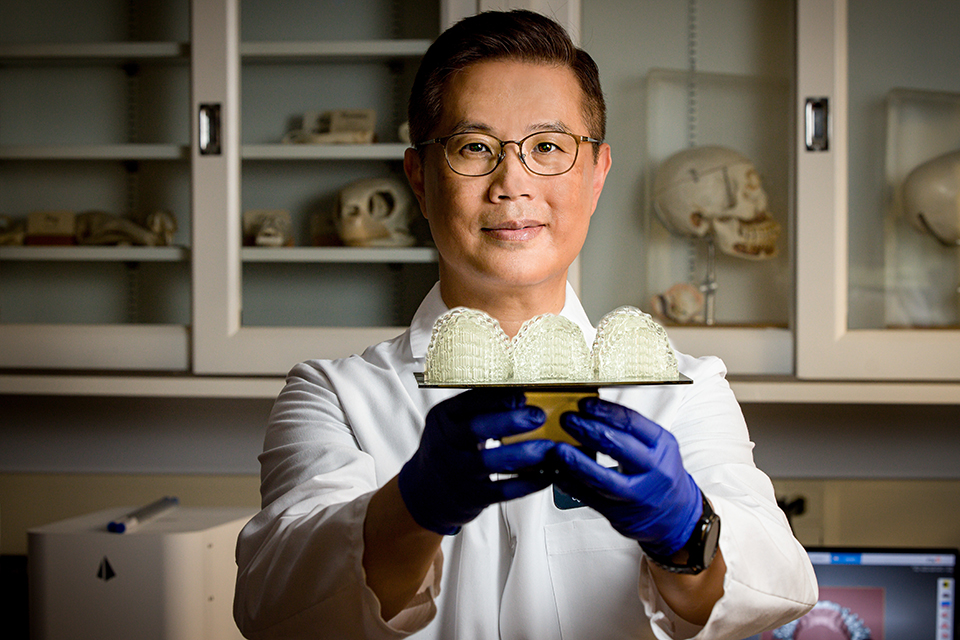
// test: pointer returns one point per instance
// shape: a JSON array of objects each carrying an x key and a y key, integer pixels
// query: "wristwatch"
[{"x": 699, "y": 551}]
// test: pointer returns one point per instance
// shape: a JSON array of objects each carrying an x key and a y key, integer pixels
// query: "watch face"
[
  {"x": 701, "y": 548},
  {"x": 710, "y": 535}
]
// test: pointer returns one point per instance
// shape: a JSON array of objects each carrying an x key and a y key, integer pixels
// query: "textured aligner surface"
[
  {"x": 469, "y": 346},
  {"x": 630, "y": 345},
  {"x": 550, "y": 347}
]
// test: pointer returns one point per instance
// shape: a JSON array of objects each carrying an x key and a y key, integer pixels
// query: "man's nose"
[{"x": 511, "y": 176}]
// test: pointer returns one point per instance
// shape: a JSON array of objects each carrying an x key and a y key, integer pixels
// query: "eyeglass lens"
[{"x": 546, "y": 153}]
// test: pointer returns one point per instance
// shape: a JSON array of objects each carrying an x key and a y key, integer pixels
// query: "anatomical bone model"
[
  {"x": 713, "y": 193},
  {"x": 101, "y": 228},
  {"x": 375, "y": 213},
  {"x": 931, "y": 198},
  {"x": 680, "y": 303},
  {"x": 343, "y": 126},
  {"x": 716, "y": 192}
]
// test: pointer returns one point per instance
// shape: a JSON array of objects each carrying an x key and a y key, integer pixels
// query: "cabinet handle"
[
  {"x": 209, "y": 129},
  {"x": 817, "y": 118}
]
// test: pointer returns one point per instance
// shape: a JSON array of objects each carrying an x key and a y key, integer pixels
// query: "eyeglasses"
[{"x": 545, "y": 153}]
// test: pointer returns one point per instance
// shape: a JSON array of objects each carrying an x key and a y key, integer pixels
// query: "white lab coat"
[{"x": 522, "y": 570}]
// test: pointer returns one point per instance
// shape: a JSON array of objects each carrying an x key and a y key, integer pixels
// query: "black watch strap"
[{"x": 699, "y": 551}]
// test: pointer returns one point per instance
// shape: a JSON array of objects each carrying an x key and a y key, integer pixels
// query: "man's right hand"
[{"x": 446, "y": 483}]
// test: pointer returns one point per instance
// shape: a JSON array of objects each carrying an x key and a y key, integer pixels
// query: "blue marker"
[{"x": 132, "y": 520}]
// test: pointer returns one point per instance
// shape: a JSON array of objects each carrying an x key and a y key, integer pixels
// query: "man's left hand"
[{"x": 651, "y": 498}]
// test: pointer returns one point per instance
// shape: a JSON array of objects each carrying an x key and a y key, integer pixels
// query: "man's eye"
[
  {"x": 545, "y": 147},
  {"x": 476, "y": 147}
]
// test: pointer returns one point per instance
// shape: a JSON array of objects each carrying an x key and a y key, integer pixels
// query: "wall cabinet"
[
  {"x": 876, "y": 298},
  {"x": 111, "y": 114}
]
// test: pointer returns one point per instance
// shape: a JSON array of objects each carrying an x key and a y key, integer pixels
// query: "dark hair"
[{"x": 519, "y": 35}]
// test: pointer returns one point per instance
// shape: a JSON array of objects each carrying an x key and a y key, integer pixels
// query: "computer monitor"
[{"x": 879, "y": 594}]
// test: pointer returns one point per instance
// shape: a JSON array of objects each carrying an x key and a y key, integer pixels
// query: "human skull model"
[
  {"x": 716, "y": 192},
  {"x": 931, "y": 197},
  {"x": 375, "y": 213}
]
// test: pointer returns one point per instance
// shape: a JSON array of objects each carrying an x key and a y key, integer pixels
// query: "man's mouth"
[{"x": 514, "y": 230}]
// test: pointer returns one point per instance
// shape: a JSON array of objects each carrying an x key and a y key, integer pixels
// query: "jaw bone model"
[
  {"x": 680, "y": 303},
  {"x": 469, "y": 346},
  {"x": 101, "y": 228}
]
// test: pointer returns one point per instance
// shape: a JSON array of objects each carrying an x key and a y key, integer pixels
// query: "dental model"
[{"x": 468, "y": 346}]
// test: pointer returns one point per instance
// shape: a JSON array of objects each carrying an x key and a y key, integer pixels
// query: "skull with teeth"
[
  {"x": 375, "y": 213},
  {"x": 716, "y": 192}
]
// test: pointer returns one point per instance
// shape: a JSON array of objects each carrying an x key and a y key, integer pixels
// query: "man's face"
[{"x": 510, "y": 228}]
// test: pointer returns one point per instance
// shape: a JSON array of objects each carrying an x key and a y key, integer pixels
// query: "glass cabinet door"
[
  {"x": 313, "y": 243},
  {"x": 695, "y": 221},
  {"x": 94, "y": 185},
  {"x": 878, "y": 205}
]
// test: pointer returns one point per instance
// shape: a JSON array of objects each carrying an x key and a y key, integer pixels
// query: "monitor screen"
[{"x": 878, "y": 594}]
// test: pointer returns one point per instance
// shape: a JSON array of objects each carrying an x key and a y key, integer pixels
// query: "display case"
[
  {"x": 261, "y": 308},
  {"x": 93, "y": 143},
  {"x": 717, "y": 219},
  {"x": 113, "y": 106},
  {"x": 921, "y": 286},
  {"x": 876, "y": 286}
]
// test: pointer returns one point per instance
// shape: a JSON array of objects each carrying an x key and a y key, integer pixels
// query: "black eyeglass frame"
[{"x": 503, "y": 151}]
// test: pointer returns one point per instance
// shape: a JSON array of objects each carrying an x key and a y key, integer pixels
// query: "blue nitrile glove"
[
  {"x": 446, "y": 483},
  {"x": 651, "y": 498}
]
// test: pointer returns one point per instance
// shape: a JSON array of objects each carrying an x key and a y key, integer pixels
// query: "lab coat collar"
[{"x": 433, "y": 307}]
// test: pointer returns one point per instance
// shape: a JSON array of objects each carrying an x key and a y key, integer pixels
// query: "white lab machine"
[{"x": 170, "y": 578}]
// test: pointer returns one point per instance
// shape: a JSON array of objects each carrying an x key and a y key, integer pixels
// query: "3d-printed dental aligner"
[
  {"x": 468, "y": 346},
  {"x": 550, "y": 347},
  {"x": 630, "y": 345}
]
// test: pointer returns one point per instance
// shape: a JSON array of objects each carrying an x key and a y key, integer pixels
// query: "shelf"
[
  {"x": 94, "y": 254},
  {"x": 376, "y": 151},
  {"x": 340, "y": 254},
  {"x": 789, "y": 390},
  {"x": 347, "y": 49},
  {"x": 140, "y": 386},
  {"x": 96, "y": 152},
  {"x": 101, "y": 51}
]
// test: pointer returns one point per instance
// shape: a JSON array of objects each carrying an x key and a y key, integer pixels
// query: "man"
[{"x": 385, "y": 514}]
